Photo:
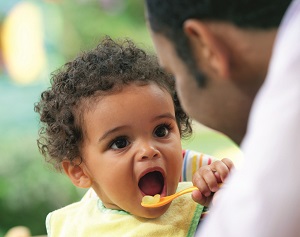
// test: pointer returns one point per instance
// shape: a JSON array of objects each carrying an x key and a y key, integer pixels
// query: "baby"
[{"x": 112, "y": 122}]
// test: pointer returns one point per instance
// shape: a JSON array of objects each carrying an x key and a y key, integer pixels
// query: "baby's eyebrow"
[
  {"x": 110, "y": 131},
  {"x": 166, "y": 115}
]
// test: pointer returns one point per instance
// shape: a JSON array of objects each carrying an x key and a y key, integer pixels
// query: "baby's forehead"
[
  {"x": 124, "y": 102},
  {"x": 87, "y": 104}
]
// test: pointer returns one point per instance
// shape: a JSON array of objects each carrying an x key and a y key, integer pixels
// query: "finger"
[
  {"x": 228, "y": 163},
  {"x": 218, "y": 177},
  {"x": 201, "y": 184},
  {"x": 210, "y": 178},
  {"x": 221, "y": 168},
  {"x": 199, "y": 198}
]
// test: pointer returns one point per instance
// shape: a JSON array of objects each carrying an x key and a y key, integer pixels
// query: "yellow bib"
[{"x": 90, "y": 218}]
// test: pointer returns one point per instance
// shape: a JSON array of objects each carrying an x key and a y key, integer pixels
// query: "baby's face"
[{"x": 132, "y": 148}]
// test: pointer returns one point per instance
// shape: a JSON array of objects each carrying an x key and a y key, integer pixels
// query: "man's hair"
[
  {"x": 167, "y": 17},
  {"x": 75, "y": 87}
]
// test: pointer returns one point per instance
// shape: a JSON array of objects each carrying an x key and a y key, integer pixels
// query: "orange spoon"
[{"x": 165, "y": 200}]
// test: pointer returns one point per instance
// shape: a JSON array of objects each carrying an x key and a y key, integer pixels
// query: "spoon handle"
[{"x": 184, "y": 191}]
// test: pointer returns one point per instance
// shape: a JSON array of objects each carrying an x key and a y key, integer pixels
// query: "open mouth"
[{"x": 152, "y": 183}]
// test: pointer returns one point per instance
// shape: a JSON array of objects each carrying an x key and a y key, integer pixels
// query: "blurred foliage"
[
  {"x": 29, "y": 189},
  {"x": 85, "y": 24}
]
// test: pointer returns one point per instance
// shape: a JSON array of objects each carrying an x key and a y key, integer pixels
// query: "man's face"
[
  {"x": 218, "y": 105},
  {"x": 186, "y": 85}
]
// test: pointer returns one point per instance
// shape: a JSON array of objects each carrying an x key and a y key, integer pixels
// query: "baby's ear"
[{"x": 77, "y": 174}]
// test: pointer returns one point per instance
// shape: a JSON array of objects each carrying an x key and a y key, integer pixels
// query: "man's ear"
[
  {"x": 207, "y": 47},
  {"x": 77, "y": 174}
]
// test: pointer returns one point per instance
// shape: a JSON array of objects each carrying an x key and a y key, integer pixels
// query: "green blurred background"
[{"x": 37, "y": 37}]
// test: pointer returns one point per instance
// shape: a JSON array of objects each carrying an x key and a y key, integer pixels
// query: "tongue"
[{"x": 151, "y": 183}]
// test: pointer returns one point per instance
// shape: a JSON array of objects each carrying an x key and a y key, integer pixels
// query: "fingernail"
[{"x": 214, "y": 189}]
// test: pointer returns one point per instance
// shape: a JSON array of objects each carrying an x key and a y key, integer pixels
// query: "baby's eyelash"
[
  {"x": 110, "y": 144},
  {"x": 167, "y": 125}
]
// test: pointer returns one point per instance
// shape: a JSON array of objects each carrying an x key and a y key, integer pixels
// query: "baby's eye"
[
  {"x": 162, "y": 130},
  {"x": 119, "y": 143}
]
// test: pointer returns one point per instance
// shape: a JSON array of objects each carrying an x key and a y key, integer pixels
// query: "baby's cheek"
[{"x": 177, "y": 170}]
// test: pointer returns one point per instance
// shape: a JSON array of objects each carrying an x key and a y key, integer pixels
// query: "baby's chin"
[
  {"x": 151, "y": 213},
  {"x": 140, "y": 211}
]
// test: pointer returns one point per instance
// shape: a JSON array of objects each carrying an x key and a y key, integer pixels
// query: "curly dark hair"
[
  {"x": 168, "y": 16},
  {"x": 106, "y": 69}
]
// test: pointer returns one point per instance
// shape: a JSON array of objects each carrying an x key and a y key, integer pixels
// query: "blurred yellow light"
[{"x": 23, "y": 49}]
